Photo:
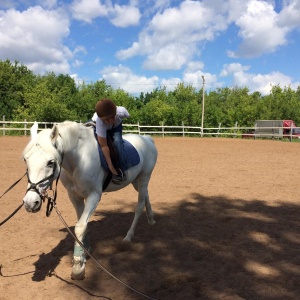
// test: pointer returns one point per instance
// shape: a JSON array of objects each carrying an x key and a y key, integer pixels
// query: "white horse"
[{"x": 70, "y": 149}]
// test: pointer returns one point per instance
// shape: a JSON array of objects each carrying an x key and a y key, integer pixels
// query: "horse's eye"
[{"x": 50, "y": 164}]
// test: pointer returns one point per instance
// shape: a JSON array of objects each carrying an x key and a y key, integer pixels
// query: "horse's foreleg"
[
  {"x": 79, "y": 256},
  {"x": 78, "y": 203}
]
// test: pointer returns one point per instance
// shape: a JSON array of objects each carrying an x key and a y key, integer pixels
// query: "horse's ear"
[
  {"x": 54, "y": 134},
  {"x": 34, "y": 130}
]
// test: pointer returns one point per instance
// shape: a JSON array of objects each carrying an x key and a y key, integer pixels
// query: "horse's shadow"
[
  {"x": 112, "y": 225},
  {"x": 47, "y": 262},
  {"x": 200, "y": 248}
]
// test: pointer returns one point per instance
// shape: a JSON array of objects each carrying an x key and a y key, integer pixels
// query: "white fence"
[{"x": 23, "y": 128}]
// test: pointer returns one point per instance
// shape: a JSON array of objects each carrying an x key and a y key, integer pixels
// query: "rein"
[
  {"x": 19, "y": 207},
  {"x": 13, "y": 185}
]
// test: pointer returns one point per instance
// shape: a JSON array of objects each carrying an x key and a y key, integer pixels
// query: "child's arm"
[{"x": 103, "y": 144}]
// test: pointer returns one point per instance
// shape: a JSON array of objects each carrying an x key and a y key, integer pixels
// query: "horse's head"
[{"x": 43, "y": 157}]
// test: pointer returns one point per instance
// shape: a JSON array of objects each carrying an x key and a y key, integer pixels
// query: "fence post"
[
  {"x": 183, "y": 129},
  {"x": 219, "y": 130},
  {"x": 163, "y": 129},
  {"x": 235, "y": 128},
  {"x": 3, "y": 118},
  {"x": 25, "y": 127}
]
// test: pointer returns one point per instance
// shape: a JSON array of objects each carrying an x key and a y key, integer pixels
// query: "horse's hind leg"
[
  {"x": 141, "y": 186},
  {"x": 149, "y": 211}
]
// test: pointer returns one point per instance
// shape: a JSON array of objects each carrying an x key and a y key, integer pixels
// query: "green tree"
[
  {"x": 87, "y": 97},
  {"x": 155, "y": 112},
  {"x": 186, "y": 100},
  {"x": 15, "y": 80},
  {"x": 43, "y": 105}
]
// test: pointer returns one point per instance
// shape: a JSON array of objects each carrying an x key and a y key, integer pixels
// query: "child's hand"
[{"x": 113, "y": 170}]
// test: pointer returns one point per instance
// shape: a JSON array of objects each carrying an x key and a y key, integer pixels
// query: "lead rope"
[
  {"x": 95, "y": 260},
  {"x": 11, "y": 215},
  {"x": 19, "y": 207},
  {"x": 13, "y": 185}
]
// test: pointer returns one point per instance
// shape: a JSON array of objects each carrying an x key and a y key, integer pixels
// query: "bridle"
[{"x": 34, "y": 187}]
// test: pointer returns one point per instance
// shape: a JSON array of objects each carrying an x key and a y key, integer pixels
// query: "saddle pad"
[{"x": 130, "y": 152}]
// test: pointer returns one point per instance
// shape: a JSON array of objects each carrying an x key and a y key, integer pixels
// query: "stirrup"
[{"x": 118, "y": 179}]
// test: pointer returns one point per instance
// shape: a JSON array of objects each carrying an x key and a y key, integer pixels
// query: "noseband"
[{"x": 34, "y": 187}]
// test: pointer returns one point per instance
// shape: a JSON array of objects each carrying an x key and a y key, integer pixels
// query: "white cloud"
[
  {"x": 119, "y": 15},
  {"x": 232, "y": 9},
  {"x": 47, "y": 3},
  {"x": 80, "y": 49},
  {"x": 259, "y": 30},
  {"x": 194, "y": 66},
  {"x": 135, "y": 49},
  {"x": 290, "y": 14},
  {"x": 170, "y": 57},
  {"x": 77, "y": 79},
  {"x": 193, "y": 76},
  {"x": 170, "y": 83},
  {"x": 35, "y": 38},
  {"x": 7, "y": 4},
  {"x": 87, "y": 10},
  {"x": 122, "y": 77},
  {"x": 97, "y": 60},
  {"x": 255, "y": 82},
  {"x": 234, "y": 68},
  {"x": 171, "y": 38},
  {"x": 160, "y": 4},
  {"x": 77, "y": 63},
  {"x": 124, "y": 16}
]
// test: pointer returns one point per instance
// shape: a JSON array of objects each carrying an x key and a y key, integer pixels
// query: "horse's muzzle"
[{"x": 33, "y": 209}]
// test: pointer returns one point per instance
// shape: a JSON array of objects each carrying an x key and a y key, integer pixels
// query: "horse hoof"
[
  {"x": 78, "y": 269},
  {"x": 122, "y": 244},
  {"x": 151, "y": 222},
  {"x": 126, "y": 240}
]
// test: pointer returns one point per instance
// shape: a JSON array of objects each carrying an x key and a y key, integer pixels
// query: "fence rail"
[{"x": 23, "y": 128}]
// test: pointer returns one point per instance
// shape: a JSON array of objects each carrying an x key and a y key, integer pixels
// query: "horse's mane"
[
  {"x": 69, "y": 132},
  {"x": 42, "y": 143}
]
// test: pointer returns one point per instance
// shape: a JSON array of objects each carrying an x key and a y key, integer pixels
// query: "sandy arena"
[{"x": 228, "y": 227}]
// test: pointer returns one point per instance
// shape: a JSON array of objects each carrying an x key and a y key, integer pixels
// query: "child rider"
[{"x": 109, "y": 123}]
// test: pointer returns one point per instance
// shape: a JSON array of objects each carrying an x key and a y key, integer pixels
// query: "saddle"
[{"x": 131, "y": 153}]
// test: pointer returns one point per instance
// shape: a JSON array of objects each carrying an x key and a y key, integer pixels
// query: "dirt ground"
[{"x": 228, "y": 227}]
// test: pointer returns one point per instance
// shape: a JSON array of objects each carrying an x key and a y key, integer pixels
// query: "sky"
[{"x": 139, "y": 46}]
